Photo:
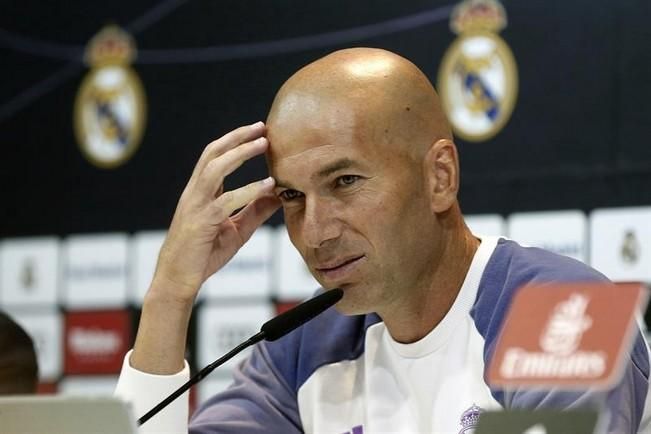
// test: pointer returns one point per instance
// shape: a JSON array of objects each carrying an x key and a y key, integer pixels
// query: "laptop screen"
[{"x": 65, "y": 415}]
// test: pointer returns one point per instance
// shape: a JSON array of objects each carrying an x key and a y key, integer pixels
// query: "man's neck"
[{"x": 413, "y": 317}]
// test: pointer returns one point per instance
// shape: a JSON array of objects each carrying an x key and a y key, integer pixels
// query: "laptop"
[
  {"x": 65, "y": 415},
  {"x": 539, "y": 422}
]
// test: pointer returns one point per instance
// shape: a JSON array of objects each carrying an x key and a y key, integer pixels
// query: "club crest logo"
[
  {"x": 28, "y": 275},
  {"x": 470, "y": 419},
  {"x": 630, "y": 248},
  {"x": 109, "y": 112},
  {"x": 478, "y": 77}
]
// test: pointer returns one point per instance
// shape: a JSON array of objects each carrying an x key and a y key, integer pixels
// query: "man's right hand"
[{"x": 202, "y": 238}]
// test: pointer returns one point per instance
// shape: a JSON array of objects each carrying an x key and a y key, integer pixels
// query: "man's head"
[
  {"x": 367, "y": 171},
  {"x": 18, "y": 368}
]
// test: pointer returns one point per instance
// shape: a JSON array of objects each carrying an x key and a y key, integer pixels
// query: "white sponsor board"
[
  {"x": 29, "y": 271},
  {"x": 486, "y": 224},
  {"x": 620, "y": 243},
  {"x": 221, "y": 327},
  {"x": 248, "y": 273},
  {"x": 45, "y": 326},
  {"x": 291, "y": 275},
  {"x": 145, "y": 247},
  {"x": 95, "y": 271},
  {"x": 562, "y": 232},
  {"x": 100, "y": 385}
]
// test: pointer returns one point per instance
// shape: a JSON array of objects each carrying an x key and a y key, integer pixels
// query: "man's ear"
[{"x": 442, "y": 174}]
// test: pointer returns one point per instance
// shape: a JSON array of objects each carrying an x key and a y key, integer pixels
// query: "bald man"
[{"x": 362, "y": 161}]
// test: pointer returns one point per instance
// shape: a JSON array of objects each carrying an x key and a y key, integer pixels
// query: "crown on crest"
[
  {"x": 478, "y": 15},
  {"x": 470, "y": 417},
  {"x": 111, "y": 45}
]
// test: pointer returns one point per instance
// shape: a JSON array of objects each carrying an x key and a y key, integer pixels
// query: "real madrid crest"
[
  {"x": 478, "y": 77},
  {"x": 470, "y": 419},
  {"x": 110, "y": 106}
]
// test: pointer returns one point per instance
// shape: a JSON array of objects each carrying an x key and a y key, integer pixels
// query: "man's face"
[{"x": 354, "y": 204}]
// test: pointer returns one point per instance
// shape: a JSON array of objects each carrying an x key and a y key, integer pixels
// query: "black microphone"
[{"x": 272, "y": 330}]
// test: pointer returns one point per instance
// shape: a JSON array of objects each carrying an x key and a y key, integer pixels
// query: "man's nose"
[{"x": 321, "y": 222}]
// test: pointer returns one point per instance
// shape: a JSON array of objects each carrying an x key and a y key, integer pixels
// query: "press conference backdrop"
[{"x": 569, "y": 169}]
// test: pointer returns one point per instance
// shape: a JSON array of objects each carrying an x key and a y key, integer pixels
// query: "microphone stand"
[
  {"x": 201, "y": 375},
  {"x": 272, "y": 330}
]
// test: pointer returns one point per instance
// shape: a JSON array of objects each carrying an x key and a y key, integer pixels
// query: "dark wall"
[{"x": 578, "y": 137}]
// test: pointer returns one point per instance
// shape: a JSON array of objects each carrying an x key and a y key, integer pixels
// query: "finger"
[
  {"x": 222, "y": 207},
  {"x": 254, "y": 214},
  {"x": 216, "y": 170},
  {"x": 228, "y": 141}
]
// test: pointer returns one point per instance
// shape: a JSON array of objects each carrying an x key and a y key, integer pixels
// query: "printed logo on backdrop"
[
  {"x": 478, "y": 77},
  {"x": 230, "y": 336},
  {"x": 109, "y": 112},
  {"x": 566, "y": 335},
  {"x": 96, "y": 271},
  {"x": 630, "y": 248},
  {"x": 470, "y": 419},
  {"x": 28, "y": 275},
  {"x": 95, "y": 342}
]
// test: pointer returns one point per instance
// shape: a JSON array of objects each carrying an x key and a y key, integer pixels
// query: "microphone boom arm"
[
  {"x": 200, "y": 376},
  {"x": 272, "y": 330}
]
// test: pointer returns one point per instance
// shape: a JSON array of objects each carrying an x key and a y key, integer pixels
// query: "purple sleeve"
[
  {"x": 259, "y": 401},
  {"x": 263, "y": 398}
]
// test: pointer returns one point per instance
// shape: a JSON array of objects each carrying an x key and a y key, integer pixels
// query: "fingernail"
[
  {"x": 258, "y": 124},
  {"x": 268, "y": 181},
  {"x": 260, "y": 140}
]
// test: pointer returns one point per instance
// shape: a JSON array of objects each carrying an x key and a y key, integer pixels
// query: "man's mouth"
[{"x": 340, "y": 268}]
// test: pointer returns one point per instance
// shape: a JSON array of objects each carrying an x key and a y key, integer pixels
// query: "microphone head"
[{"x": 284, "y": 323}]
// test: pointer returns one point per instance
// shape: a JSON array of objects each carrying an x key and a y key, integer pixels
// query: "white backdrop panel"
[
  {"x": 95, "y": 270},
  {"x": 292, "y": 277},
  {"x": 562, "y": 232},
  {"x": 29, "y": 271},
  {"x": 621, "y": 243}
]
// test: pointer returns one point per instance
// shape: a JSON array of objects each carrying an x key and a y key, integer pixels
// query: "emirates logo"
[{"x": 566, "y": 326}]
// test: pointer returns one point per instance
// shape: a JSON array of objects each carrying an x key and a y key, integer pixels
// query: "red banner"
[{"x": 96, "y": 342}]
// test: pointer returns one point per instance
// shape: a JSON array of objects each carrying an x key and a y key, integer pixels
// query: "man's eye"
[
  {"x": 289, "y": 195},
  {"x": 347, "y": 179}
]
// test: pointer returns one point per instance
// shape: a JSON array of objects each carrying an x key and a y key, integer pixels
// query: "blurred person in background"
[{"x": 18, "y": 366}]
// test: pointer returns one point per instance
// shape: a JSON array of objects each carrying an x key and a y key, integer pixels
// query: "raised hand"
[{"x": 203, "y": 236}]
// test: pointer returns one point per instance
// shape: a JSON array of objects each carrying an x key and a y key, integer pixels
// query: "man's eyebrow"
[{"x": 335, "y": 166}]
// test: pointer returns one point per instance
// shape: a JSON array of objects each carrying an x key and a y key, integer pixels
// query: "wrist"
[
  {"x": 173, "y": 294},
  {"x": 160, "y": 343}
]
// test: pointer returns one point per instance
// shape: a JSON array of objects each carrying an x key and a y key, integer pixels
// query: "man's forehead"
[{"x": 302, "y": 131}]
